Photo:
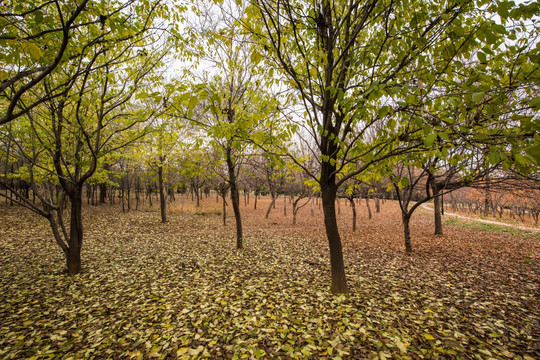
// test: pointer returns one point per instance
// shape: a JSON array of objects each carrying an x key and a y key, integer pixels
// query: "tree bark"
[
  {"x": 224, "y": 210},
  {"x": 368, "y": 207},
  {"x": 329, "y": 190},
  {"x": 270, "y": 207},
  {"x": 235, "y": 199},
  {"x": 76, "y": 231},
  {"x": 437, "y": 212},
  {"x": 407, "y": 232},
  {"x": 162, "y": 200},
  {"x": 102, "y": 193},
  {"x": 353, "y": 207}
]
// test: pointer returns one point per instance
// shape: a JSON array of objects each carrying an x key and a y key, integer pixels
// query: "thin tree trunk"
[
  {"x": 162, "y": 199},
  {"x": 437, "y": 212},
  {"x": 368, "y": 207},
  {"x": 122, "y": 196},
  {"x": 224, "y": 210},
  {"x": 353, "y": 206},
  {"x": 128, "y": 198},
  {"x": 235, "y": 199},
  {"x": 284, "y": 205},
  {"x": 270, "y": 207}
]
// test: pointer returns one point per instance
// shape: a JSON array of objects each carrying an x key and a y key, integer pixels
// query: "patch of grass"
[
  {"x": 499, "y": 229},
  {"x": 207, "y": 212}
]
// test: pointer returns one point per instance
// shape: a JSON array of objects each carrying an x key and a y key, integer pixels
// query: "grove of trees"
[{"x": 308, "y": 100}]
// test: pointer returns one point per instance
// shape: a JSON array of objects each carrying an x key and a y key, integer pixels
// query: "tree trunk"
[
  {"x": 102, "y": 193},
  {"x": 122, "y": 197},
  {"x": 437, "y": 212},
  {"x": 270, "y": 207},
  {"x": 407, "y": 232},
  {"x": 162, "y": 200},
  {"x": 353, "y": 207},
  {"x": 284, "y": 205},
  {"x": 128, "y": 198},
  {"x": 224, "y": 210},
  {"x": 76, "y": 231},
  {"x": 442, "y": 204},
  {"x": 255, "y": 202},
  {"x": 368, "y": 207},
  {"x": 377, "y": 204},
  {"x": 328, "y": 190},
  {"x": 235, "y": 199}
]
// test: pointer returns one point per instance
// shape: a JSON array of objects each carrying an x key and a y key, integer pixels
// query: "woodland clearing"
[{"x": 181, "y": 290}]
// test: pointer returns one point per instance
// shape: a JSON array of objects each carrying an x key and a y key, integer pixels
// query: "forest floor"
[{"x": 181, "y": 290}]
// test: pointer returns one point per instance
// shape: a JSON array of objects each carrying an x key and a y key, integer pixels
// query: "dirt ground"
[{"x": 181, "y": 290}]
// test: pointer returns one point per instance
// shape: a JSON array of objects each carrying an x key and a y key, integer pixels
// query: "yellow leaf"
[
  {"x": 485, "y": 352},
  {"x": 401, "y": 346},
  {"x": 429, "y": 337}
]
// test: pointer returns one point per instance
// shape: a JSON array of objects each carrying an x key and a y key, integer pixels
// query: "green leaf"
[
  {"x": 535, "y": 102},
  {"x": 430, "y": 139},
  {"x": 534, "y": 152},
  {"x": 404, "y": 182},
  {"x": 193, "y": 101}
]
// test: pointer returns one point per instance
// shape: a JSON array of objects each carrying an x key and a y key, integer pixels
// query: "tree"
[
  {"x": 346, "y": 60},
  {"x": 230, "y": 103}
]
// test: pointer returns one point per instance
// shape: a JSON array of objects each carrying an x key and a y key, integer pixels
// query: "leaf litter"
[{"x": 181, "y": 290}]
